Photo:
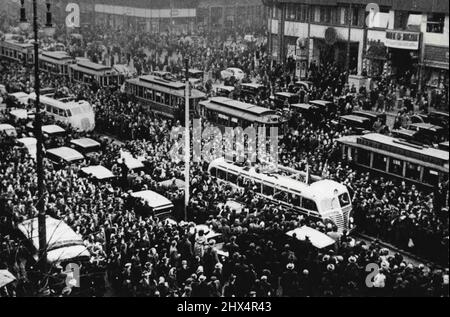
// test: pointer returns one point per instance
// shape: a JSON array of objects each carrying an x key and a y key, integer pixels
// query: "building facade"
[
  {"x": 218, "y": 14},
  {"x": 407, "y": 38}
]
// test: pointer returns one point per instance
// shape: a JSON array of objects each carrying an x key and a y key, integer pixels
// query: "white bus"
[
  {"x": 323, "y": 199},
  {"x": 79, "y": 114}
]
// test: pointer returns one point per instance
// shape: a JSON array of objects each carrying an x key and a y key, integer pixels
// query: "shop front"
[
  {"x": 435, "y": 74},
  {"x": 403, "y": 56}
]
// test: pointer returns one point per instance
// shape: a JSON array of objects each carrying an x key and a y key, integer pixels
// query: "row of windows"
[
  {"x": 11, "y": 53},
  {"x": 267, "y": 189},
  {"x": 323, "y": 14},
  {"x": 156, "y": 96},
  {"x": 102, "y": 80},
  {"x": 397, "y": 167}
]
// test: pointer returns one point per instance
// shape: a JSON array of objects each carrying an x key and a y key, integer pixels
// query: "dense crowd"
[{"x": 145, "y": 256}]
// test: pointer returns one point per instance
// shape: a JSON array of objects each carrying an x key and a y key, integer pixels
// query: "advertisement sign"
[{"x": 402, "y": 39}]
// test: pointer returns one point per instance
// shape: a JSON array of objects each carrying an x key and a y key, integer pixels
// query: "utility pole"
[
  {"x": 187, "y": 142},
  {"x": 39, "y": 153}
]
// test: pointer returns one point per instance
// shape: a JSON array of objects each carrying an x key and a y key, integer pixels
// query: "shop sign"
[{"x": 402, "y": 39}]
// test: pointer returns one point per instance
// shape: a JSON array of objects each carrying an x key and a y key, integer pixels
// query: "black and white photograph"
[{"x": 228, "y": 153}]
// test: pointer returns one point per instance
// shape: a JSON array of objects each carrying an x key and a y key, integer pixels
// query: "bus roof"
[
  {"x": 319, "y": 191},
  {"x": 63, "y": 103},
  {"x": 66, "y": 153}
]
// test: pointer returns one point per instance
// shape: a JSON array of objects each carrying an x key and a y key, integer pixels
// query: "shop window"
[
  {"x": 412, "y": 171},
  {"x": 396, "y": 167},
  {"x": 379, "y": 162},
  {"x": 435, "y": 23}
]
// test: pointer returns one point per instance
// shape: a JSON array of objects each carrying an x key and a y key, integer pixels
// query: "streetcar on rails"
[
  {"x": 225, "y": 112},
  {"x": 16, "y": 49},
  {"x": 165, "y": 97},
  {"x": 419, "y": 164},
  {"x": 79, "y": 114},
  {"x": 55, "y": 63},
  {"x": 319, "y": 198},
  {"x": 86, "y": 72}
]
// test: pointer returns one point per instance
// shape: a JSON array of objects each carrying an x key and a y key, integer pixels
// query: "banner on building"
[{"x": 402, "y": 39}]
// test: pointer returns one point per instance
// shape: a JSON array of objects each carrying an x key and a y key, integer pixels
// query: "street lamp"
[{"x": 49, "y": 31}]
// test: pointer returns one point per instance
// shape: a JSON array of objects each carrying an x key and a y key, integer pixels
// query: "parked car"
[
  {"x": 356, "y": 123},
  {"x": 280, "y": 99}
]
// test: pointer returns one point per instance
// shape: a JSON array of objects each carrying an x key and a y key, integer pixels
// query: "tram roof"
[
  {"x": 92, "y": 68},
  {"x": 398, "y": 146},
  {"x": 56, "y": 55},
  {"x": 176, "y": 88},
  {"x": 241, "y": 110}
]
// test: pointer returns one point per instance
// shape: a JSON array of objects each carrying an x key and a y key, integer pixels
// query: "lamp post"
[
  {"x": 187, "y": 142},
  {"x": 49, "y": 30}
]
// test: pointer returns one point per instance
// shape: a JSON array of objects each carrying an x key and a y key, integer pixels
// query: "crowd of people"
[{"x": 136, "y": 255}]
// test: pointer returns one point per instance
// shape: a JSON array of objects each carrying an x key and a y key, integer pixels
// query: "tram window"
[
  {"x": 221, "y": 174},
  {"x": 48, "y": 108},
  {"x": 69, "y": 113},
  {"x": 396, "y": 167},
  {"x": 240, "y": 181},
  {"x": 412, "y": 171},
  {"x": 140, "y": 91},
  {"x": 309, "y": 204},
  {"x": 430, "y": 177},
  {"x": 363, "y": 157},
  {"x": 379, "y": 162}
]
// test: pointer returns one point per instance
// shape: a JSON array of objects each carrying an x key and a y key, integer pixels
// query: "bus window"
[
  {"x": 48, "y": 108},
  {"x": 61, "y": 112},
  {"x": 309, "y": 204},
  {"x": 232, "y": 177},
  {"x": 363, "y": 157},
  {"x": 396, "y": 167},
  {"x": 213, "y": 171},
  {"x": 430, "y": 177},
  {"x": 267, "y": 190},
  {"x": 379, "y": 162},
  {"x": 412, "y": 171},
  {"x": 68, "y": 113},
  {"x": 221, "y": 174}
]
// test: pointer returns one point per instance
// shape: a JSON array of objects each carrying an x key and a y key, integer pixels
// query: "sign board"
[{"x": 402, "y": 39}]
